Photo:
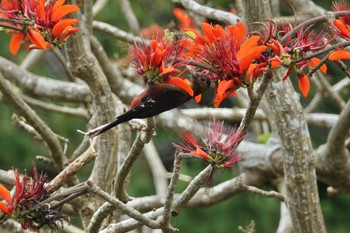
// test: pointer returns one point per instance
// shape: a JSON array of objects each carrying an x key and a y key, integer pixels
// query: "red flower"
[
  {"x": 229, "y": 54},
  {"x": 159, "y": 61},
  {"x": 24, "y": 206},
  {"x": 38, "y": 22},
  {"x": 217, "y": 145}
]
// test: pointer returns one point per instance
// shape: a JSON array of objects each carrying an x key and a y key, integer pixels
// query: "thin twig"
[
  {"x": 170, "y": 193},
  {"x": 142, "y": 137},
  {"x": 63, "y": 62},
  {"x": 123, "y": 207},
  {"x": 255, "y": 98},
  {"x": 98, "y": 217},
  {"x": 157, "y": 168},
  {"x": 130, "y": 16},
  {"x": 76, "y": 112},
  {"x": 98, "y": 6},
  {"x": 270, "y": 194},
  {"x": 343, "y": 67},
  {"x": 178, "y": 204},
  {"x": 117, "y": 33}
]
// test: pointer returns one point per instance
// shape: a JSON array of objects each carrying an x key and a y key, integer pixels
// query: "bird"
[{"x": 155, "y": 99}]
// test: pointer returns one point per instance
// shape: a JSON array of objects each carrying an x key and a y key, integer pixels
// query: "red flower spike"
[
  {"x": 228, "y": 54},
  {"x": 339, "y": 55},
  {"x": 217, "y": 145},
  {"x": 159, "y": 61},
  {"x": 304, "y": 84}
]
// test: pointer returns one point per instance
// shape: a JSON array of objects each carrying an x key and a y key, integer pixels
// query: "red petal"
[
  {"x": 184, "y": 18},
  {"x": 67, "y": 32},
  {"x": 15, "y": 42},
  {"x": 224, "y": 89},
  {"x": 219, "y": 31},
  {"x": 275, "y": 62},
  {"x": 58, "y": 4},
  {"x": 59, "y": 27},
  {"x": 198, "y": 98},
  {"x": 247, "y": 44},
  {"x": 40, "y": 10},
  {"x": 169, "y": 70},
  {"x": 200, "y": 153},
  {"x": 4, "y": 208},
  {"x": 342, "y": 27},
  {"x": 276, "y": 46},
  {"x": 339, "y": 55},
  {"x": 315, "y": 61},
  {"x": 180, "y": 83},
  {"x": 37, "y": 39},
  {"x": 304, "y": 84},
  {"x": 208, "y": 31},
  {"x": 63, "y": 11},
  {"x": 248, "y": 56},
  {"x": 238, "y": 31},
  {"x": 5, "y": 194}
]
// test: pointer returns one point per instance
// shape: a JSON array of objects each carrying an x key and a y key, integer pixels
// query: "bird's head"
[{"x": 200, "y": 82}]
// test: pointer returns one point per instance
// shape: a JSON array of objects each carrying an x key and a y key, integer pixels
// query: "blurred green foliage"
[{"x": 18, "y": 149}]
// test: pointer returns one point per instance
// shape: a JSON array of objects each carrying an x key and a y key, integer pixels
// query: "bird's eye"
[{"x": 203, "y": 79}]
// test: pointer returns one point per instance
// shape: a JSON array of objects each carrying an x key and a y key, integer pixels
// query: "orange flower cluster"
[
  {"x": 233, "y": 59},
  {"x": 161, "y": 61},
  {"x": 38, "y": 22},
  {"x": 231, "y": 56}
]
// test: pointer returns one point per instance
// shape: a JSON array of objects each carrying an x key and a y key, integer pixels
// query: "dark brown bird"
[{"x": 155, "y": 99}]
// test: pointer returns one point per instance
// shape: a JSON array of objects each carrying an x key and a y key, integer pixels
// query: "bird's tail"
[{"x": 103, "y": 128}]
